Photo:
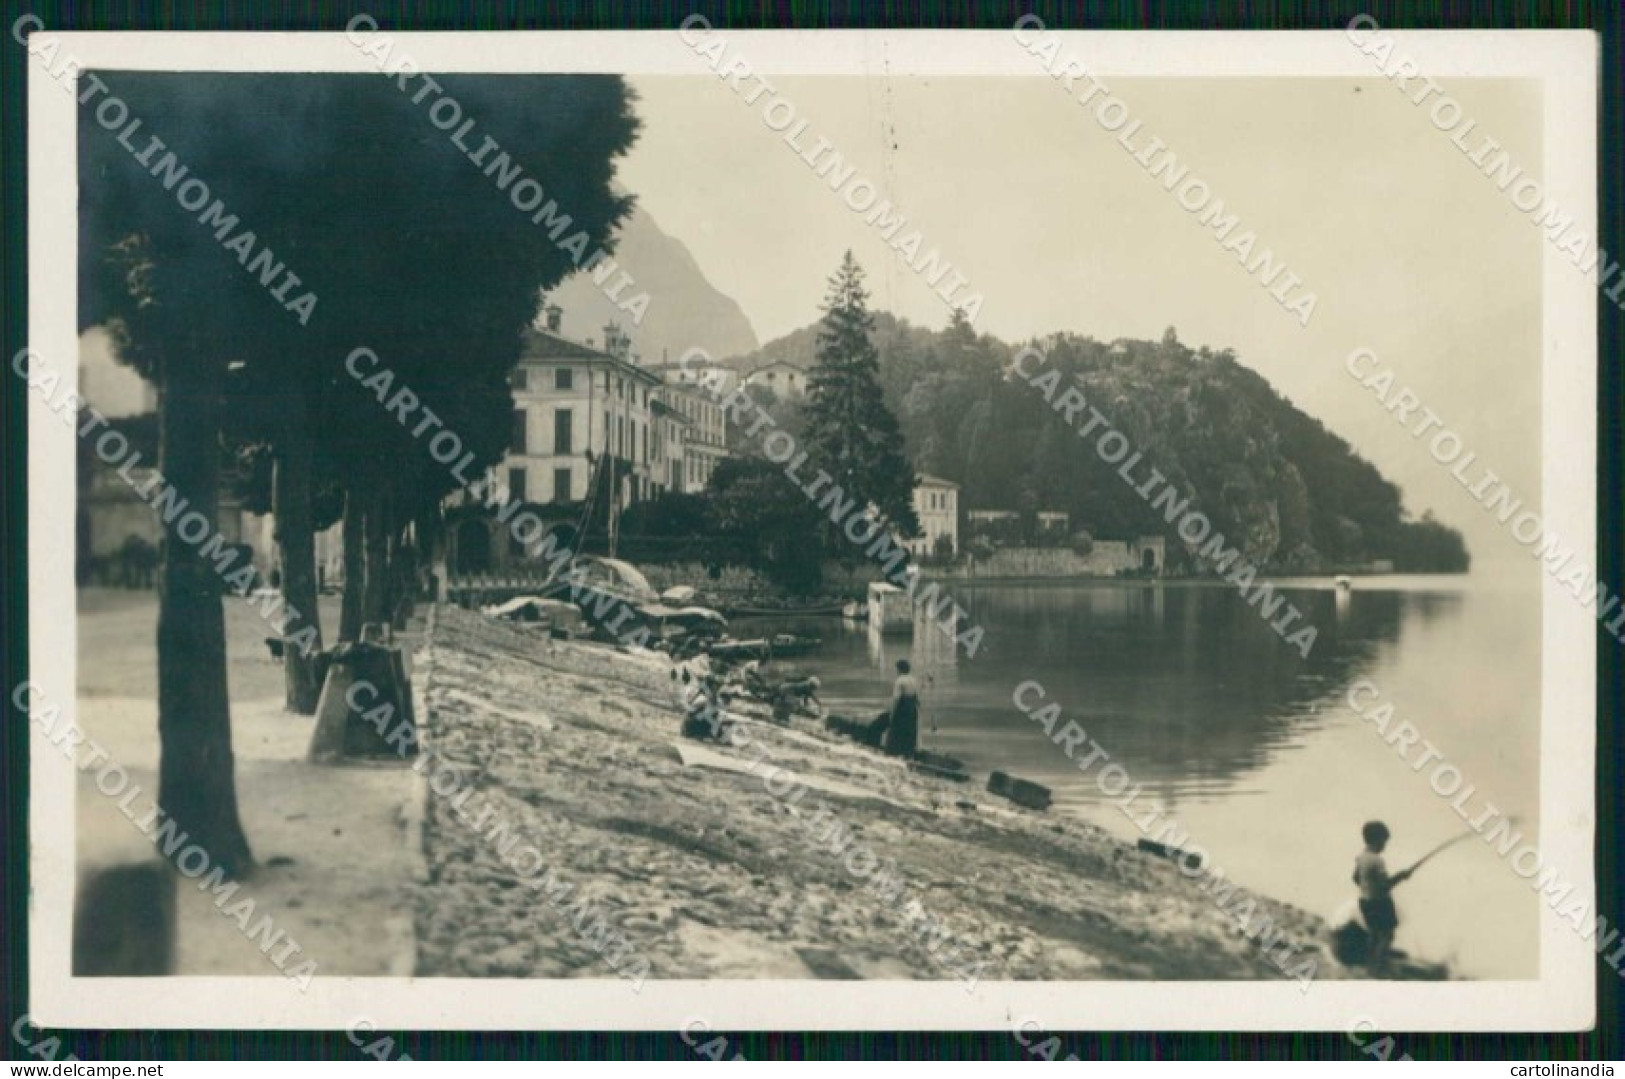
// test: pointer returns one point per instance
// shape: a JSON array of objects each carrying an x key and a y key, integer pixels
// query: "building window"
[
  {"x": 520, "y": 379},
  {"x": 516, "y": 485},
  {"x": 518, "y": 434},
  {"x": 561, "y": 485},
  {"x": 563, "y": 435},
  {"x": 563, "y": 378}
]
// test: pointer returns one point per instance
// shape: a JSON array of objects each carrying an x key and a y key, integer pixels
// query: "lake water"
[{"x": 1254, "y": 750}]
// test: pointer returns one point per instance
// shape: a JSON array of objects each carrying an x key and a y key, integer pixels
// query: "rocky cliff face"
[{"x": 684, "y": 309}]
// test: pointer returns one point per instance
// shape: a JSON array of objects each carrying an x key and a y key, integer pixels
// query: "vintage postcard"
[{"x": 704, "y": 530}]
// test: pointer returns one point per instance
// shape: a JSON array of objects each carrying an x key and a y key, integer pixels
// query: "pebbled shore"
[{"x": 565, "y": 836}]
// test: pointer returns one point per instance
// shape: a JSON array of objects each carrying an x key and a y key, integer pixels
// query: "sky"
[{"x": 1410, "y": 251}]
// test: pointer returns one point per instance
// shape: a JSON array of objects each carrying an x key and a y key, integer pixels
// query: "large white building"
[
  {"x": 578, "y": 404},
  {"x": 672, "y": 431},
  {"x": 574, "y": 404},
  {"x": 704, "y": 436}
]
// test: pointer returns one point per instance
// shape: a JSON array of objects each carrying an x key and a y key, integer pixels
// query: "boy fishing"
[{"x": 1376, "y": 892}]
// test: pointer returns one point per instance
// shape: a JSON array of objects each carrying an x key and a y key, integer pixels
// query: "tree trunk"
[
  {"x": 302, "y": 635},
  {"x": 404, "y": 600},
  {"x": 432, "y": 539},
  {"x": 354, "y": 569},
  {"x": 375, "y": 595},
  {"x": 392, "y": 593},
  {"x": 196, "y": 783},
  {"x": 428, "y": 549}
]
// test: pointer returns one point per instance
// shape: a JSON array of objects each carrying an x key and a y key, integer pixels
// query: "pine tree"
[{"x": 850, "y": 432}]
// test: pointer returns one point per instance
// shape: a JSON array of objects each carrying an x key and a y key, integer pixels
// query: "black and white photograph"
[{"x": 707, "y": 530}]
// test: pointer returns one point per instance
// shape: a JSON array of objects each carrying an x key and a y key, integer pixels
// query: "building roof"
[
  {"x": 539, "y": 345},
  {"x": 674, "y": 372},
  {"x": 675, "y": 365},
  {"x": 924, "y": 480},
  {"x": 683, "y": 389},
  {"x": 776, "y": 364}
]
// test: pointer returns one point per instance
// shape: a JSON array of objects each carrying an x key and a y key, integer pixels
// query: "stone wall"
[
  {"x": 1108, "y": 558},
  {"x": 737, "y": 581}
]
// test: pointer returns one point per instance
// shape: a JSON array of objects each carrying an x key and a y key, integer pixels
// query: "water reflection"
[
  {"x": 1191, "y": 690},
  {"x": 1189, "y": 686}
]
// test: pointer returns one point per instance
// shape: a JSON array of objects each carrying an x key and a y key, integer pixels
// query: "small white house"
[
  {"x": 936, "y": 503},
  {"x": 784, "y": 379}
]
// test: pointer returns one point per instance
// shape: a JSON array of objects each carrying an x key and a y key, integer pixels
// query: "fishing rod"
[{"x": 1446, "y": 845}]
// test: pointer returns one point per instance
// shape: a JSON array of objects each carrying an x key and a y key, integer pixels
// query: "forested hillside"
[{"x": 1293, "y": 495}]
